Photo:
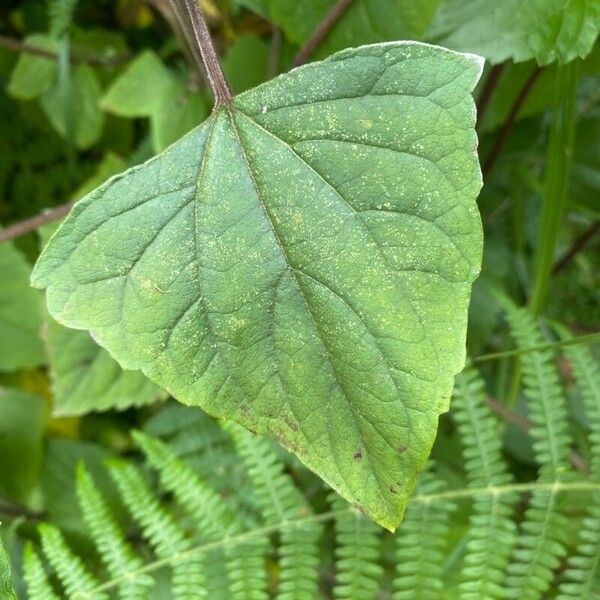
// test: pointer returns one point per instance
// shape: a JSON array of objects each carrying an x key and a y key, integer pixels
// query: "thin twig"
[
  {"x": 92, "y": 59},
  {"x": 320, "y": 33},
  {"x": 16, "y": 510},
  {"x": 488, "y": 90},
  {"x": 23, "y": 227},
  {"x": 216, "y": 77},
  {"x": 525, "y": 425},
  {"x": 578, "y": 245},
  {"x": 502, "y": 136}
]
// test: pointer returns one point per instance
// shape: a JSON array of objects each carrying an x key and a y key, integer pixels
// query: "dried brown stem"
[
  {"x": 488, "y": 91},
  {"x": 578, "y": 245},
  {"x": 274, "y": 53},
  {"x": 23, "y": 227},
  {"x": 320, "y": 33},
  {"x": 502, "y": 136}
]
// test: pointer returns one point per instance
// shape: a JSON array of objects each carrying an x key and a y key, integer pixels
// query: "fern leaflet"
[
  {"x": 35, "y": 576},
  {"x": 357, "y": 553},
  {"x": 492, "y": 529},
  {"x": 420, "y": 543},
  {"x": 582, "y": 577},
  {"x": 541, "y": 544}
]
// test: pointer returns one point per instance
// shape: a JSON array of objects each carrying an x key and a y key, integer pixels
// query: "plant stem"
[
  {"x": 488, "y": 91},
  {"x": 274, "y": 53},
  {"x": 502, "y": 136},
  {"x": 557, "y": 178},
  {"x": 578, "y": 245},
  {"x": 593, "y": 338},
  {"x": 216, "y": 77},
  {"x": 320, "y": 33},
  {"x": 23, "y": 227}
]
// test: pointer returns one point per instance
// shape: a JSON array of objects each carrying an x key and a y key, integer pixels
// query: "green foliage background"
[{"x": 121, "y": 86}]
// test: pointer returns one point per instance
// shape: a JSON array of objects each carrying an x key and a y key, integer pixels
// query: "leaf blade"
[{"x": 258, "y": 277}]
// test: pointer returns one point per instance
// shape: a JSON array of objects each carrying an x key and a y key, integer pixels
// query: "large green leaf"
[
  {"x": 364, "y": 21},
  {"x": 547, "y": 30},
  {"x": 20, "y": 313},
  {"x": 301, "y": 263}
]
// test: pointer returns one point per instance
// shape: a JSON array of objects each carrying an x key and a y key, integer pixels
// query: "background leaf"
[
  {"x": 33, "y": 75},
  {"x": 86, "y": 378},
  {"x": 19, "y": 329},
  {"x": 547, "y": 30},
  {"x": 21, "y": 427}
]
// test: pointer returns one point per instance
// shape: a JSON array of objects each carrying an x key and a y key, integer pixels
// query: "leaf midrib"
[{"x": 382, "y": 485}]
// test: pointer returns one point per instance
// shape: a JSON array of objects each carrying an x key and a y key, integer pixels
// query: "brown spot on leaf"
[
  {"x": 292, "y": 425},
  {"x": 358, "y": 454},
  {"x": 402, "y": 449},
  {"x": 360, "y": 508}
]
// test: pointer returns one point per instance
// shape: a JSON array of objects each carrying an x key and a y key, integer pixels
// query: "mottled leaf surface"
[
  {"x": 547, "y": 30},
  {"x": 301, "y": 263}
]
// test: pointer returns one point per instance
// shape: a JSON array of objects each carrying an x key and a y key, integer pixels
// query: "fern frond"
[
  {"x": 541, "y": 545},
  {"x": 117, "y": 555},
  {"x": 279, "y": 500},
  {"x": 587, "y": 377},
  {"x": 210, "y": 513},
  {"x": 60, "y": 16},
  {"x": 546, "y": 399},
  {"x": 6, "y": 585},
  {"x": 420, "y": 542},
  {"x": 35, "y": 576},
  {"x": 248, "y": 578},
  {"x": 160, "y": 528},
  {"x": 582, "y": 577},
  {"x": 492, "y": 531},
  {"x": 158, "y": 525},
  {"x": 70, "y": 570},
  {"x": 357, "y": 553},
  {"x": 212, "y": 517},
  {"x": 277, "y": 497},
  {"x": 197, "y": 439}
]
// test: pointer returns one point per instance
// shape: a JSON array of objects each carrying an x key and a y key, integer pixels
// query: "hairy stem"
[{"x": 216, "y": 77}]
